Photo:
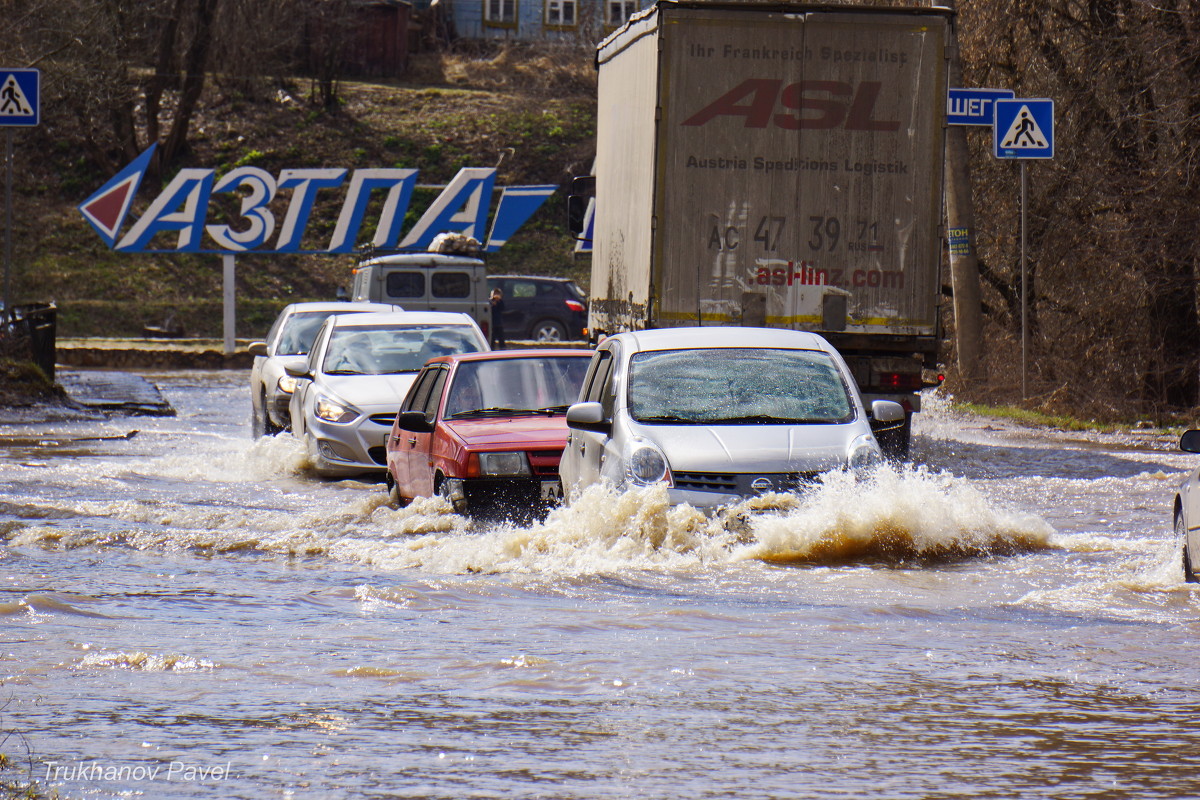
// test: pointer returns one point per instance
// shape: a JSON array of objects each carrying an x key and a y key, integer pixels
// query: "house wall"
[{"x": 530, "y": 22}]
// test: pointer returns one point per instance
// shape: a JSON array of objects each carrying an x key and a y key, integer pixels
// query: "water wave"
[
  {"x": 898, "y": 515},
  {"x": 146, "y": 662}
]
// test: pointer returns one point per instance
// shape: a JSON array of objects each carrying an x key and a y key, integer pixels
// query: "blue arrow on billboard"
[{"x": 517, "y": 204}]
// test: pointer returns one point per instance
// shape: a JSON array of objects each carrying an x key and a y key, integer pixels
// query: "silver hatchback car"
[
  {"x": 718, "y": 414},
  {"x": 288, "y": 342},
  {"x": 357, "y": 374},
  {"x": 1187, "y": 511}
]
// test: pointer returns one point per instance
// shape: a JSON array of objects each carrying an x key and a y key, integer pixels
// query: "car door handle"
[
  {"x": 412, "y": 442},
  {"x": 583, "y": 448}
]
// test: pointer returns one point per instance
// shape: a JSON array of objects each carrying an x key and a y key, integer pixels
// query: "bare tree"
[{"x": 1112, "y": 218}]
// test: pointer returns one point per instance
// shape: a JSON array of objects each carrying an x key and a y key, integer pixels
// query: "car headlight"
[
  {"x": 333, "y": 411},
  {"x": 287, "y": 384},
  {"x": 863, "y": 453},
  {"x": 646, "y": 464},
  {"x": 503, "y": 464}
]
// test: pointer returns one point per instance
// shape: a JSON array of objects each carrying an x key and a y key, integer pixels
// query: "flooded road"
[{"x": 187, "y": 614}]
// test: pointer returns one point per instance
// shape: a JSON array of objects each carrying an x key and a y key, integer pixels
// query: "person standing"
[{"x": 498, "y": 340}]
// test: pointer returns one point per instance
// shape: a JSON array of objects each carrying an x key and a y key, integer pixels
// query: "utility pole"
[{"x": 964, "y": 266}]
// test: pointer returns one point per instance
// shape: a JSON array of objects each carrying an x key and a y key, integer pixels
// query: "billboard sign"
[{"x": 177, "y": 220}]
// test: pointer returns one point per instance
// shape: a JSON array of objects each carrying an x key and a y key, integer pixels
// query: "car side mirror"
[
  {"x": 887, "y": 411},
  {"x": 413, "y": 421},
  {"x": 1190, "y": 442},
  {"x": 583, "y": 188},
  {"x": 588, "y": 417},
  {"x": 297, "y": 370},
  {"x": 257, "y": 348}
]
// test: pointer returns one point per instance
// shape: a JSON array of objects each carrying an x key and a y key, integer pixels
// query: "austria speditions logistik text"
[{"x": 799, "y": 165}]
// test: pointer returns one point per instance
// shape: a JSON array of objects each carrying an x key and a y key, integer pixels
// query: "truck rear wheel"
[{"x": 894, "y": 439}]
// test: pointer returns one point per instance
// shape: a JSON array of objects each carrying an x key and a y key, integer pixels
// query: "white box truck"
[{"x": 777, "y": 165}]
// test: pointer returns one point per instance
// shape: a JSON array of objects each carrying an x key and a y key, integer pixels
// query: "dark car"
[{"x": 541, "y": 309}]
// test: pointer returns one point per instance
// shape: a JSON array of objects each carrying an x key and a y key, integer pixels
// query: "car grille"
[
  {"x": 378, "y": 455},
  {"x": 383, "y": 419},
  {"x": 742, "y": 483}
]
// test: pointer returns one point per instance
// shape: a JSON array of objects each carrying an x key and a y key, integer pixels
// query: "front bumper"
[
  {"x": 713, "y": 489},
  {"x": 339, "y": 450},
  {"x": 520, "y": 498}
]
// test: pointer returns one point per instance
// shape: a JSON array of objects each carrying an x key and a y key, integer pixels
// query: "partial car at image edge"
[{"x": 1186, "y": 512}]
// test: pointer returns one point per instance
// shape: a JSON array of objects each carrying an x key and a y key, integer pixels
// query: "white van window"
[
  {"x": 451, "y": 284},
  {"x": 405, "y": 284}
]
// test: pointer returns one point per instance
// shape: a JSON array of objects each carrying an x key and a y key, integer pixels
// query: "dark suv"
[{"x": 541, "y": 309}]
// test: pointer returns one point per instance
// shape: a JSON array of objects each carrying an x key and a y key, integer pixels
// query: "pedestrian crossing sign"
[
  {"x": 20, "y": 97},
  {"x": 1024, "y": 128}
]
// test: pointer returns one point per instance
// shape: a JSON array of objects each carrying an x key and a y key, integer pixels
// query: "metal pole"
[
  {"x": 1024, "y": 290},
  {"x": 8, "y": 182},
  {"x": 229, "y": 304}
]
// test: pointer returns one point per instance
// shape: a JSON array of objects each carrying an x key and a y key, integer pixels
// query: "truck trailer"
[{"x": 777, "y": 165}]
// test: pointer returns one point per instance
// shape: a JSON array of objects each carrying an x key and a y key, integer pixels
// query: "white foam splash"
[{"x": 898, "y": 514}]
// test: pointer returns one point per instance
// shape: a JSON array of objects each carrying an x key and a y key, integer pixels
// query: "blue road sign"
[
  {"x": 974, "y": 106},
  {"x": 1024, "y": 128},
  {"x": 20, "y": 97}
]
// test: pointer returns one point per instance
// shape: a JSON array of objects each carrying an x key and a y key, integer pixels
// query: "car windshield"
[
  {"x": 388, "y": 349},
  {"x": 524, "y": 385},
  {"x": 737, "y": 386},
  {"x": 299, "y": 332}
]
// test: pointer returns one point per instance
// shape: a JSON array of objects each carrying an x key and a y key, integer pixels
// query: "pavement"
[{"x": 114, "y": 392}]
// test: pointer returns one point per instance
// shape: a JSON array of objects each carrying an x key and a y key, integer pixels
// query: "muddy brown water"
[{"x": 188, "y": 613}]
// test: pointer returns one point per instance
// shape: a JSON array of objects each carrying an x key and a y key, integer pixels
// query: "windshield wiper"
[
  {"x": 667, "y": 418},
  {"x": 474, "y": 412},
  {"x": 344, "y": 372},
  {"x": 552, "y": 410},
  {"x": 765, "y": 419}
]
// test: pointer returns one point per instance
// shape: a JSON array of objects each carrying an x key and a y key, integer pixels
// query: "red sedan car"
[{"x": 486, "y": 430}]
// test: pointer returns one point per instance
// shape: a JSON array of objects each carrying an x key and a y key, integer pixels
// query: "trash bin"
[{"x": 31, "y": 334}]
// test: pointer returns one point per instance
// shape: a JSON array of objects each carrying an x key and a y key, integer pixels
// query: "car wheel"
[
  {"x": 442, "y": 489},
  {"x": 548, "y": 330},
  {"x": 394, "y": 495},
  {"x": 260, "y": 421},
  {"x": 1189, "y": 576}
]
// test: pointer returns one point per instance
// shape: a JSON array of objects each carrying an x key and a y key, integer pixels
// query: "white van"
[{"x": 425, "y": 282}]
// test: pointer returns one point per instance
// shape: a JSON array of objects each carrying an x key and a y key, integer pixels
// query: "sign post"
[
  {"x": 20, "y": 107},
  {"x": 1023, "y": 128}
]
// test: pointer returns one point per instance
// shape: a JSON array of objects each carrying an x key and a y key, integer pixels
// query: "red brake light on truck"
[{"x": 899, "y": 381}]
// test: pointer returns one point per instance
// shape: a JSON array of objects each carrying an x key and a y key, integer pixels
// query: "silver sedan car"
[
  {"x": 718, "y": 414},
  {"x": 1187, "y": 511},
  {"x": 288, "y": 342},
  {"x": 356, "y": 376}
]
